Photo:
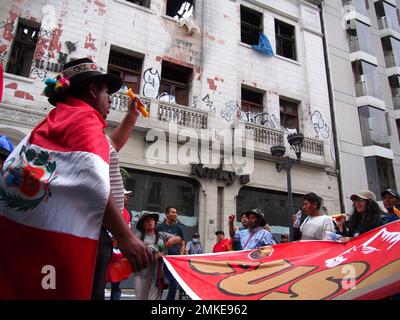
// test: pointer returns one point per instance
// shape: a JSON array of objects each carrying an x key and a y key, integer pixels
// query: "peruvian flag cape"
[
  {"x": 54, "y": 188},
  {"x": 368, "y": 267}
]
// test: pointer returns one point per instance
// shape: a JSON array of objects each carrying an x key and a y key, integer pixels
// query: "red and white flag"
[
  {"x": 365, "y": 268},
  {"x": 54, "y": 189}
]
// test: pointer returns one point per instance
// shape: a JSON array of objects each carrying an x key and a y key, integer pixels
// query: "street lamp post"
[{"x": 285, "y": 162}]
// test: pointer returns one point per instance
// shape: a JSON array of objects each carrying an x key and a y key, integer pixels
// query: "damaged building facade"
[{"x": 221, "y": 79}]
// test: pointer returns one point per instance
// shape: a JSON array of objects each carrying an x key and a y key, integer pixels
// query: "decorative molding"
[{"x": 21, "y": 117}]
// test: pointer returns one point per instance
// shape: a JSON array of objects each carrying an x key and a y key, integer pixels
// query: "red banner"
[{"x": 368, "y": 267}]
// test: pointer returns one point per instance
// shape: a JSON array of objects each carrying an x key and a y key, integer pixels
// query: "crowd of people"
[{"x": 152, "y": 239}]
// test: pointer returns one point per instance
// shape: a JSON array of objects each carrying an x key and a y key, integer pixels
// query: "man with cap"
[
  {"x": 255, "y": 235},
  {"x": 6, "y": 147},
  {"x": 61, "y": 221},
  {"x": 391, "y": 202},
  {"x": 315, "y": 226},
  {"x": 223, "y": 244}
]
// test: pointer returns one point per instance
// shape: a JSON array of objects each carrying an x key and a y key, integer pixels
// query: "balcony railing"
[
  {"x": 164, "y": 111},
  {"x": 313, "y": 146},
  {"x": 263, "y": 135},
  {"x": 274, "y": 137},
  {"x": 181, "y": 115}
]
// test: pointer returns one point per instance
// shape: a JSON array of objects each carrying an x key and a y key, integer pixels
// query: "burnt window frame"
[
  {"x": 252, "y": 39},
  {"x": 282, "y": 39},
  {"x": 169, "y": 10},
  {"x": 251, "y": 105},
  {"x": 283, "y": 115},
  {"x": 175, "y": 84},
  {"x": 124, "y": 70},
  {"x": 20, "y": 47}
]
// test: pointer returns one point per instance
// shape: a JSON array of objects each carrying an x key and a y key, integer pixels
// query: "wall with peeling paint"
[{"x": 88, "y": 28}]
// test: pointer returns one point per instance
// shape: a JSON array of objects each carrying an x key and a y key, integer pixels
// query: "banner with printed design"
[{"x": 367, "y": 267}]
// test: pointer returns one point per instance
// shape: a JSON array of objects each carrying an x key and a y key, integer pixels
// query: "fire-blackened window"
[
  {"x": 285, "y": 39},
  {"x": 250, "y": 25},
  {"x": 175, "y": 80},
  {"x": 180, "y": 9},
  {"x": 143, "y": 3},
  {"x": 252, "y": 101},
  {"x": 128, "y": 67},
  {"x": 23, "y": 49}
]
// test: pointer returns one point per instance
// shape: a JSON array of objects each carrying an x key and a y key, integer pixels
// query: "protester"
[
  {"x": 391, "y": 202},
  {"x": 315, "y": 226},
  {"x": 170, "y": 225},
  {"x": 244, "y": 221},
  {"x": 194, "y": 246},
  {"x": 62, "y": 229},
  {"x": 223, "y": 244},
  {"x": 255, "y": 235},
  {"x": 284, "y": 238},
  {"x": 6, "y": 147},
  {"x": 148, "y": 283},
  {"x": 366, "y": 215},
  {"x": 115, "y": 286}
]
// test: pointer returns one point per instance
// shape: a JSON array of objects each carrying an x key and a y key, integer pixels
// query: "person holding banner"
[
  {"x": 315, "y": 226},
  {"x": 255, "y": 235},
  {"x": 148, "y": 283},
  {"x": 391, "y": 202},
  {"x": 367, "y": 214}
]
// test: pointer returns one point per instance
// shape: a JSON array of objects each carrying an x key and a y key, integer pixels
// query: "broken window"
[
  {"x": 252, "y": 101},
  {"x": 180, "y": 9},
  {"x": 285, "y": 39},
  {"x": 128, "y": 67},
  {"x": 175, "y": 81},
  {"x": 143, "y": 3},
  {"x": 23, "y": 49},
  {"x": 250, "y": 25},
  {"x": 289, "y": 114}
]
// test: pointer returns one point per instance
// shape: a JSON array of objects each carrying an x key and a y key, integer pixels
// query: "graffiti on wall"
[
  {"x": 195, "y": 101},
  {"x": 320, "y": 127},
  {"x": 230, "y": 111},
  {"x": 261, "y": 118},
  {"x": 151, "y": 85},
  {"x": 209, "y": 103}
]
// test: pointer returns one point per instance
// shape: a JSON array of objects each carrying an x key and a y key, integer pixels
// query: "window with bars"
[
  {"x": 252, "y": 101},
  {"x": 128, "y": 67},
  {"x": 175, "y": 83},
  {"x": 289, "y": 114},
  {"x": 250, "y": 25},
  {"x": 143, "y": 3},
  {"x": 180, "y": 9},
  {"x": 285, "y": 40},
  {"x": 23, "y": 48}
]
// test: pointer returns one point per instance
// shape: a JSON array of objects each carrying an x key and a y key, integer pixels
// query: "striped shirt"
[{"x": 116, "y": 183}]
